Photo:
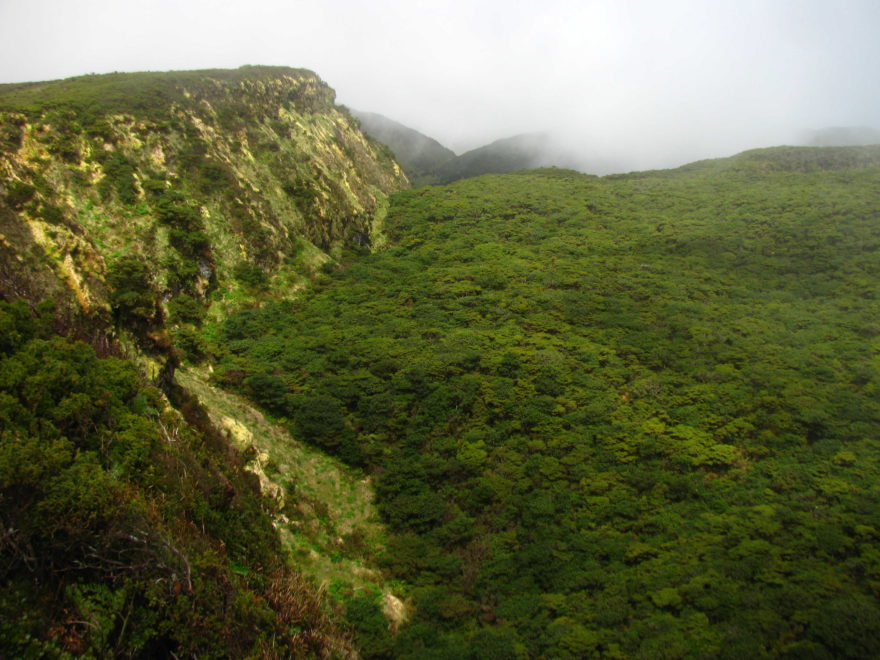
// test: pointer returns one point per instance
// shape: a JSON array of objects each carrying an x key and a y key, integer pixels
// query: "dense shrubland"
[
  {"x": 125, "y": 530},
  {"x": 632, "y": 417}
]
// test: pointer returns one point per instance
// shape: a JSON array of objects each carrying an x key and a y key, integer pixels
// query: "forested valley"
[
  {"x": 630, "y": 417},
  {"x": 261, "y": 398}
]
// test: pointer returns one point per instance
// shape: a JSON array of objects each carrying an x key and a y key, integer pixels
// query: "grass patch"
[{"x": 327, "y": 519}]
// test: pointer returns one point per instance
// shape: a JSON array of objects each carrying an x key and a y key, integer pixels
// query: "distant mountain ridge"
[
  {"x": 520, "y": 152},
  {"x": 426, "y": 161},
  {"x": 419, "y": 155}
]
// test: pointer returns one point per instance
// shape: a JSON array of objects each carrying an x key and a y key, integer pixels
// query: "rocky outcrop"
[{"x": 221, "y": 183}]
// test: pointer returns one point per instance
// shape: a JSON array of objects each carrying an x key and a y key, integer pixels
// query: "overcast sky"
[{"x": 653, "y": 82}]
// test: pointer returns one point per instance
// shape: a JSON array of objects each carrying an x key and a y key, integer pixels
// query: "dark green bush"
[
  {"x": 119, "y": 178},
  {"x": 154, "y": 186},
  {"x": 269, "y": 391},
  {"x": 181, "y": 272},
  {"x": 849, "y": 627},
  {"x": 364, "y": 614},
  {"x": 184, "y": 308},
  {"x": 250, "y": 275},
  {"x": 132, "y": 295},
  {"x": 190, "y": 344},
  {"x": 189, "y": 243}
]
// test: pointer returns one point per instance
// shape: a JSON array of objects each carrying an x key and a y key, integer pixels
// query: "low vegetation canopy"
[
  {"x": 627, "y": 417},
  {"x": 630, "y": 417}
]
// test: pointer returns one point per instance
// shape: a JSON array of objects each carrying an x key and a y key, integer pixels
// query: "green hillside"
[
  {"x": 147, "y": 92},
  {"x": 259, "y": 400},
  {"x": 225, "y": 183},
  {"x": 130, "y": 528},
  {"x": 630, "y": 417}
]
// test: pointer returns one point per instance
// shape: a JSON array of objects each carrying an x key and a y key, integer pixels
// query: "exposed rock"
[
  {"x": 395, "y": 611},
  {"x": 258, "y": 171}
]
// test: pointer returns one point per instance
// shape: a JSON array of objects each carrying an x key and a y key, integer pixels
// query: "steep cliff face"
[
  {"x": 145, "y": 205},
  {"x": 199, "y": 187}
]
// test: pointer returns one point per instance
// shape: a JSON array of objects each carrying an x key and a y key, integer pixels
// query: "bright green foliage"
[
  {"x": 125, "y": 532},
  {"x": 228, "y": 184},
  {"x": 629, "y": 417},
  {"x": 93, "y": 97}
]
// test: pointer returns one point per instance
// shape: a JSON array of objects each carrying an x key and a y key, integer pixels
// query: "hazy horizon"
[{"x": 638, "y": 83}]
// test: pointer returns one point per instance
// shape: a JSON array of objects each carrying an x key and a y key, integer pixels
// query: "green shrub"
[
  {"x": 364, "y": 614},
  {"x": 190, "y": 343},
  {"x": 181, "y": 272},
  {"x": 849, "y": 627},
  {"x": 119, "y": 178},
  {"x": 189, "y": 243},
  {"x": 269, "y": 391},
  {"x": 154, "y": 186},
  {"x": 250, "y": 275},
  {"x": 132, "y": 296},
  {"x": 184, "y": 308}
]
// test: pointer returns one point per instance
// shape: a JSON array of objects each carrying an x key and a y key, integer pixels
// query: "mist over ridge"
[
  {"x": 426, "y": 161},
  {"x": 545, "y": 414},
  {"x": 638, "y": 85}
]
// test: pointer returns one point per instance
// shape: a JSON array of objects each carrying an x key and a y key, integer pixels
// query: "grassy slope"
[{"x": 326, "y": 513}]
